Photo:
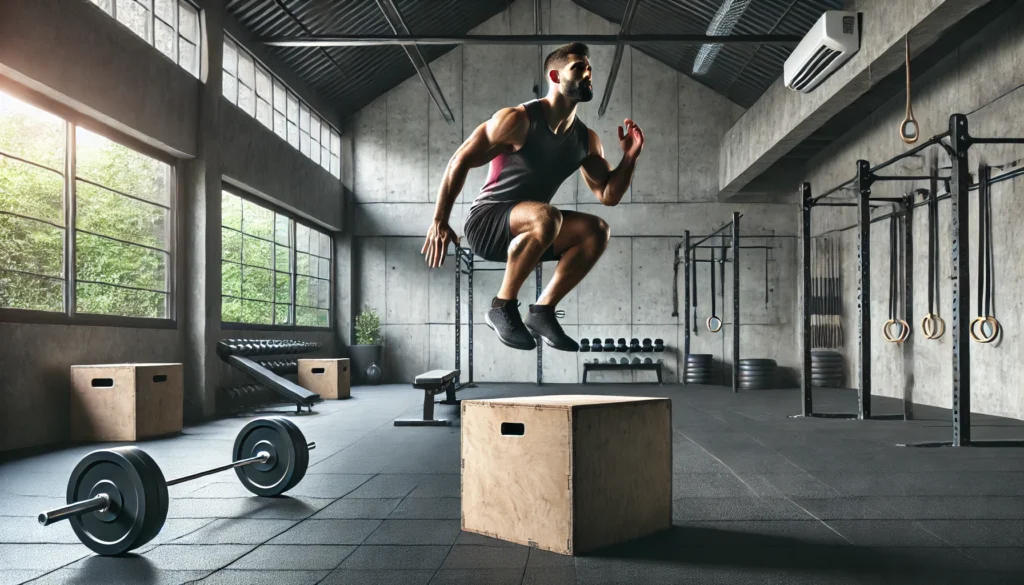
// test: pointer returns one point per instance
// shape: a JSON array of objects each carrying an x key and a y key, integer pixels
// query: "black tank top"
[{"x": 545, "y": 161}]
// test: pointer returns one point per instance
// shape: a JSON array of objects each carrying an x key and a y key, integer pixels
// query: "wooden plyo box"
[
  {"x": 330, "y": 378},
  {"x": 568, "y": 474},
  {"x": 125, "y": 402}
]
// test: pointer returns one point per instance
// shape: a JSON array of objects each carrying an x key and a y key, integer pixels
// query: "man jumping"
[{"x": 532, "y": 148}]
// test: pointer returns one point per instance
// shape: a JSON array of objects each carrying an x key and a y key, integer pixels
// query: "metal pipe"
[
  {"x": 735, "y": 303},
  {"x": 627, "y": 22},
  {"x": 645, "y": 39},
  {"x": 96, "y": 504},
  {"x": 864, "y": 289},
  {"x": 805, "y": 278},
  {"x": 930, "y": 142},
  {"x": 712, "y": 234},
  {"x": 907, "y": 178},
  {"x": 996, "y": 140}
]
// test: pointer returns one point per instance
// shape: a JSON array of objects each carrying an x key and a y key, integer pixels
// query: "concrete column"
[{"x": 200, "y": 217}]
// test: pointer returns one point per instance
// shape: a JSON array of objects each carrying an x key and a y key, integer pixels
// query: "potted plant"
[{"x": 367, "y": 349}]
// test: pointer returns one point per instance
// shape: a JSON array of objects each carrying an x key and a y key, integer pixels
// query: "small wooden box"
[
  {"x": 568, "y": 474},
  {"x": 330, "y": 378},
  {"x": 125, "y": 402}
]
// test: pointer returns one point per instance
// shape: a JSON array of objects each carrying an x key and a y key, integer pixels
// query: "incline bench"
[{"x": 433, "y": 383}]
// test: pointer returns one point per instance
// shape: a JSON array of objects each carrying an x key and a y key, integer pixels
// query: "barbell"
[{"x": 117, "y": 498}]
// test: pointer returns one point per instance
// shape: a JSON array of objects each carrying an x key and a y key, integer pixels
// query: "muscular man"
[{"x": 532, "y": 148}]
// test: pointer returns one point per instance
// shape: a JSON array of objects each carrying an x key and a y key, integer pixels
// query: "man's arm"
[
  {"x": 504, "y": 132},
  {"x": 609, "y": 185}
]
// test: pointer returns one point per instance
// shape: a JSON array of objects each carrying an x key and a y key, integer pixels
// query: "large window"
[
  {"x": 275, "y": 270},
  {"x": 118, "y": 255},
  {"x": 172, "y": 26},
  {"x": 253, "y": 88}
]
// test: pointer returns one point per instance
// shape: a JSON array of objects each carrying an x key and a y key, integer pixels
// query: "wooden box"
[
  {"x": 125, "y": 402},
  {"x": 330, "y": 378},
  {"x": 568, "y": 474}
]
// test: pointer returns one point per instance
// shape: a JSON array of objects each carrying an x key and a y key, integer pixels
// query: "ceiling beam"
[
  {"x": 394, "y": 19},
  {"x": 416, "y": 40},
  {"x": 627, "y": 23}
]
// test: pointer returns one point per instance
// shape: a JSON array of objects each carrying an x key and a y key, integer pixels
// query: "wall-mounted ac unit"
[{"x": 830, "y": 43}]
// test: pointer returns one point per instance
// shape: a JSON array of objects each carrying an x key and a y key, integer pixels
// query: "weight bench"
[{"x": 433, "y": 383}]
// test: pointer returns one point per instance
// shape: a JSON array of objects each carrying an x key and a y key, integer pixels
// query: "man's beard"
[{"x": 579, "y": 91}]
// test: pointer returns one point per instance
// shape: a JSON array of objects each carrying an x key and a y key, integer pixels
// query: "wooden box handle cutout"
[
  {"x": 318, "y": 370},
  {"x": 513, "y": 429},
  {"x": 159, "y": 378},
  {"x": 102, "y": 382}
]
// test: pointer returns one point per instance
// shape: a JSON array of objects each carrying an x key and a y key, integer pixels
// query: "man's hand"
[
  {"x": 631, "y": 139},
  {"x": 436, "y": 246}
]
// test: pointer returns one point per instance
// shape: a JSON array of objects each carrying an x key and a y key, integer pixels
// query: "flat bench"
[
  {"x": 433, "y": 383},
  {"x": 588, "y": 367}
]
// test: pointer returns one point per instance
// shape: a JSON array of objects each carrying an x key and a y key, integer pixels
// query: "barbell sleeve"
[{"x": 97, "y": 504}]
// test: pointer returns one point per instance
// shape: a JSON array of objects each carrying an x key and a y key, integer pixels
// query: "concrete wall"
[
  {"x": 401, "y": 148},
  {"x": 979, "y": 77},
  {"x": 782, "y": 118},
  {"x": 71, "y": 52}
]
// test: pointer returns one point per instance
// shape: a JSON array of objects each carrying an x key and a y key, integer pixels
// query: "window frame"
[
  {"x": 241, "y": 193},
  {"x": 70, "y": 315},
  {"x": 275, "y": 82},
  {"x": 176, "y": 27}
]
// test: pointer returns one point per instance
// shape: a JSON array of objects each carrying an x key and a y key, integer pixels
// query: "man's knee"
[
  {"x": 547, "y": 223},
  {"x": 600, "y": 233}
]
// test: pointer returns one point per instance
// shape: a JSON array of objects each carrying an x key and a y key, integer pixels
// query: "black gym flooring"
[{"x": 759, "y": 498}]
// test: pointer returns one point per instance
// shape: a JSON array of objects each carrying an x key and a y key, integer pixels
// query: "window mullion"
[
  {"x": 177, "y": 36},
  {"x": 70, "y": 220},
  {"x": 292, "y": 239}
]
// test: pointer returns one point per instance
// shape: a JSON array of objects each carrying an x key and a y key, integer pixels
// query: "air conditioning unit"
[{"x": 830, "y": 43}]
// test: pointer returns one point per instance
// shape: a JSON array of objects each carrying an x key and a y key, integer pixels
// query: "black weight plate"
[
  {"x": 827, "y": 361},
  {"x": 770, "y": 372},
  {"x": 156, "y": 484},
  {"x": 301, "y": 450},
  {"x": 759, "y": 367},
  {"x": 826, "y": 357},
  {"x": 699, "y": 374},
  {"x": 826, "y": 352},
  {"x": 114, "y": 472},
  {"x": 271, "y": 478},
  {"x": 757, "y": 379},
  {"x": 756, "y": 361},
  {"x": 827, "y": 370}
]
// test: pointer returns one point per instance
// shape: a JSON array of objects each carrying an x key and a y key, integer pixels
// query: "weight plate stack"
[
  {"x": 826, "y": 368},
  {"x": 699, "y": 368},
  {"x": 757, "y": 373}
]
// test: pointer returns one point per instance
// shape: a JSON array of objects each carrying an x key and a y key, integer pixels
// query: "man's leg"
[
  {"x": 534, "y": 227},
  {"x": 580, "y": 242}
]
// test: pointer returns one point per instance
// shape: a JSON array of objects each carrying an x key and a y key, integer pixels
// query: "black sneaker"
[
  {"x": 508, "y": 324},
  {"x": 544, "y": 325}
]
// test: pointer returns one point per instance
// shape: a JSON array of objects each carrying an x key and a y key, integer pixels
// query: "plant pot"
[{"x": 362, "y": 356}]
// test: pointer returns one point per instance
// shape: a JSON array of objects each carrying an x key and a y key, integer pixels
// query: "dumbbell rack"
[
  {"x": 635, "y": 364},
  {"x": 237, "y": 352}
]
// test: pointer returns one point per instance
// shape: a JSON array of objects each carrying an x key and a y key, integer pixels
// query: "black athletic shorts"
[{"x": 489, "y": 231}]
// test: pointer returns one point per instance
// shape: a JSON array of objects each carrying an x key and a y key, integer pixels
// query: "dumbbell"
[
  {"x": 584, "y": 344},
  {"x": 595, "y": 345},
  {"x": 624, "y": 361},
  {"x": 609, "y": 344},
  {"x": 612, "y": 360},
  {"x": 635, "y": 361},
  {"x": 621, "y": 346},
  {"x": 648, "y": 361},
  {"x": 659, "y": 345},
  {"x": 117, "y": 498},
  {"x": 634, "y": 345},
  {"x": 647, "y": 347}
]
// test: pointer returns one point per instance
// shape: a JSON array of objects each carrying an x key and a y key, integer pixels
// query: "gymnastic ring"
[
  {"x": 714, "y": 329},
  {"x": 933, "y": 326},
  {"x": 980, "y": 321},
  {"x": 905, "y": 331},
  {"x": 885, "y": 331}
]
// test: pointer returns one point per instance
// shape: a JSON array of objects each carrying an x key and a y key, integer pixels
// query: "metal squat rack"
[{"x": 958, "y": 186}]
